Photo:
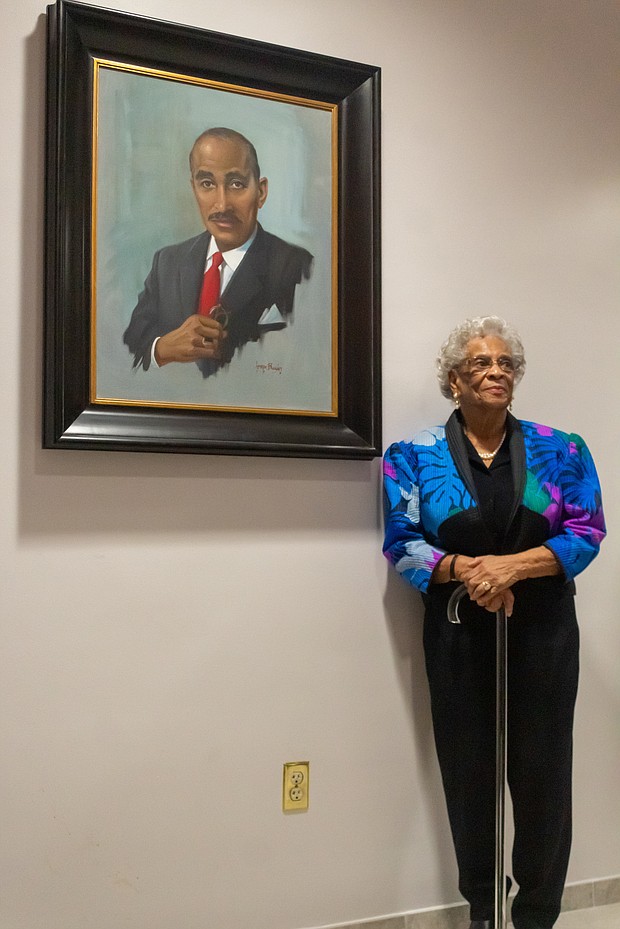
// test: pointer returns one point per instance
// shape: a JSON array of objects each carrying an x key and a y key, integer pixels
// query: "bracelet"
[{"x": 452, "y": 561}]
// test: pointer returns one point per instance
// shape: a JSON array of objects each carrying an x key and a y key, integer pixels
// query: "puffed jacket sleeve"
[
  {"x": 576, "y": 495},
  {"x": 405, "y": 545}
]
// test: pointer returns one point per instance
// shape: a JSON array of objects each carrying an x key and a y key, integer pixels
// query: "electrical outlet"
[{"x": 295, "y": 784}]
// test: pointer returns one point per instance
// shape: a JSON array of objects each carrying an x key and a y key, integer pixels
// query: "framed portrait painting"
[{"x": 212, "y": 243}]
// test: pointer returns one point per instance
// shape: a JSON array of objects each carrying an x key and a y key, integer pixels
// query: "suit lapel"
[
  {"x": 191, "y": 273},
  {"x": 456, "y": 445},
  {"x": 248, "y": 280},
  {"x": 517, "y": 464}
]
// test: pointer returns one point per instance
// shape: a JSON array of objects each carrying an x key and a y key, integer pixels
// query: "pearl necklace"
[{"x": 488, "y": 456}]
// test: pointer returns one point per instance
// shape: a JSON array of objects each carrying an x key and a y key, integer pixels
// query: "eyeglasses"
[{"x": 483, "y": 363}]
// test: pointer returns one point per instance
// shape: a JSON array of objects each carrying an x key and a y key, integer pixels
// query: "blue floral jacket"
[{"x": 431, "y": 502}]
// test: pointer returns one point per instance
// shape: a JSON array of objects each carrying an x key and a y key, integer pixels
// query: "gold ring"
[{"x": 486, "y": 585}]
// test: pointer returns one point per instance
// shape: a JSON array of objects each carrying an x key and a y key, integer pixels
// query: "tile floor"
[{"x": 599, "y": 917}]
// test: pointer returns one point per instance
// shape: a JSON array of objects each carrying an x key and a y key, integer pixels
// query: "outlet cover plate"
[{"x": 295, "y": 786}]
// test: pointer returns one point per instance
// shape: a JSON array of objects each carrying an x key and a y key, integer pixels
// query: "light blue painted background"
[{"x": 146, "y": 128}]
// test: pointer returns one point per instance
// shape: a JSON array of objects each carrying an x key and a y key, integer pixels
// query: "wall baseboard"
[{"x": 582, "y": 896}]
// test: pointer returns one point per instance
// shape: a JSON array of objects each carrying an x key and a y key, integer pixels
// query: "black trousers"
[{"x": 543, "y": 668}]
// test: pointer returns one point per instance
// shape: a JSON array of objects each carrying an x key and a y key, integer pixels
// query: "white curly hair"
[{"x": 453, "y": 352}]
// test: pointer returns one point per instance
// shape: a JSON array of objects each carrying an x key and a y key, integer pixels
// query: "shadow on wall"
[
  {"x": 404, "y": 615},
  {"x": 93, "y": 493}
]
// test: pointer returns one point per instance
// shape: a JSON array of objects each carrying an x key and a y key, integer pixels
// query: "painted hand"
[{"x": 198, "y": 337}]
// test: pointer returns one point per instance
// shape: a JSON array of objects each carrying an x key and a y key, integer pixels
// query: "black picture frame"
[{"x": 76, "y": 35}]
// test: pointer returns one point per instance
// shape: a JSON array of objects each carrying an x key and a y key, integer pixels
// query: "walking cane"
[{"x": 501, "y": 722}]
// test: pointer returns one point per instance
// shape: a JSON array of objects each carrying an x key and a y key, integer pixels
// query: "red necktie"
[{"x": 210, "y": 293}]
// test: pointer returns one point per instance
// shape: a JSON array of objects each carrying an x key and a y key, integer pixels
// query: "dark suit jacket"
[{"x": 268, "y": 275}]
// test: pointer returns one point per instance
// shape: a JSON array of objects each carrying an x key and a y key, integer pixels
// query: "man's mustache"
[{"x": 227, "y": 217}]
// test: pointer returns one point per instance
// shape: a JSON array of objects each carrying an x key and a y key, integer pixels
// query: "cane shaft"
[{"x": 501, "y": 722}]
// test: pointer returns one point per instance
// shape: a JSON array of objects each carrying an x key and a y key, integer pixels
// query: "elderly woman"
[{"x": 511, "y": 509}]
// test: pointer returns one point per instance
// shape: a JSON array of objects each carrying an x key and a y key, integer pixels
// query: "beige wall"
[{"x": 175, "y": 628}]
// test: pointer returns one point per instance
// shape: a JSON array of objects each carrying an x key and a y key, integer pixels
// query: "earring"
[
  {"x": 510, "y": 407},
  {"x": 457, "y": 401}
]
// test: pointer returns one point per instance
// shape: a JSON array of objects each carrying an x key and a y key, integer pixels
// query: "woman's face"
[{"x": 484, "y": 381}]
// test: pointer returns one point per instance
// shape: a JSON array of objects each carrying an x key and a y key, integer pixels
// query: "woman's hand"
[
  {"x": 487, "y": 578},
  {"x": 441, "y": 574},
  {"x": 498, "y": 571},
  {"x": 504, "y": 599}
]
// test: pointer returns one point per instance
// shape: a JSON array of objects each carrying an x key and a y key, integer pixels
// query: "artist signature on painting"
[{"x": 268, "y": 368}]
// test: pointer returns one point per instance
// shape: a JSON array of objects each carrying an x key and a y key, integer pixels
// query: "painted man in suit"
[{"x": 256, "y": 273}]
